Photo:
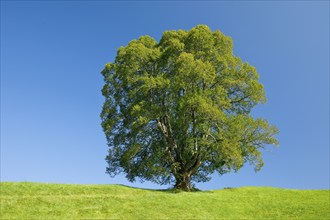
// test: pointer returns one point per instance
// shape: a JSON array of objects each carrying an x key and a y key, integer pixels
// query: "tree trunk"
[{"x": 183, "y": 182}]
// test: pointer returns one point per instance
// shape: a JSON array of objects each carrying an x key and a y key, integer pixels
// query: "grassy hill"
[{"x": 60, "y": 201}]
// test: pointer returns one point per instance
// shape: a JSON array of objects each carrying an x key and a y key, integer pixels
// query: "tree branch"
[
  {"x": 168, "y": 148},
  {"x": 193, "y": 169},
  {"x": 239, "y": 100}
]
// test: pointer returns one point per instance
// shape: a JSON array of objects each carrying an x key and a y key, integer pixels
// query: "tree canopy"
[{"x": 178, "y": 110}]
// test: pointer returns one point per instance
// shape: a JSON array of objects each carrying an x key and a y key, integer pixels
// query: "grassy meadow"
[{"x": 65, "y": 201}]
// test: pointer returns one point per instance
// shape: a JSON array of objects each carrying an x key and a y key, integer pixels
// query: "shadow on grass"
[{"x": 169, "y": 190}]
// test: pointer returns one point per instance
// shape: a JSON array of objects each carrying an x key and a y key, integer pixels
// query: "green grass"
[{"x": 62, "y": 201}]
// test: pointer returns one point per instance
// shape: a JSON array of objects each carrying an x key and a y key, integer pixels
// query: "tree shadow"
[{"x": 169, "y": 190}]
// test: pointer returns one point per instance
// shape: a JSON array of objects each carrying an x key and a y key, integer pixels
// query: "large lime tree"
[{"x": 178, "y": 110}]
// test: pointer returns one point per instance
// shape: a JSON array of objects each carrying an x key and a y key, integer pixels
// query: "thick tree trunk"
[{"x": 183, "y": 182}]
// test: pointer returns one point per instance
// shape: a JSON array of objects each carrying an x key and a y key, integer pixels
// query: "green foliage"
[
  {"x": 65, "y": 201},
  {"x": 180, "y": 109}
]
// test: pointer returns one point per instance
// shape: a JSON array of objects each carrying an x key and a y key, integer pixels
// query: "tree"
[{"x": 179, "y": 110}]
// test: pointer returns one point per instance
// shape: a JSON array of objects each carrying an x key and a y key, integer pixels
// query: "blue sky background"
[{"x": 52, "y": 54}]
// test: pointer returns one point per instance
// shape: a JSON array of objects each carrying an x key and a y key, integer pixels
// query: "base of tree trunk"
[{"x": 183, "y": 183}]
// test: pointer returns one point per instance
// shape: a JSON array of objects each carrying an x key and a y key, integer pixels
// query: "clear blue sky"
[{"x": 52, "y": 54}]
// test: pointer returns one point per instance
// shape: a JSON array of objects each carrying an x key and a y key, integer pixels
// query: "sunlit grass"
[{"x": 62, "y": 201}]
